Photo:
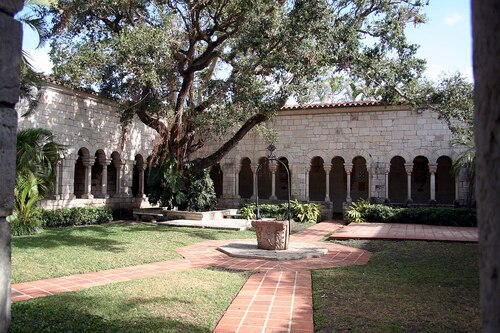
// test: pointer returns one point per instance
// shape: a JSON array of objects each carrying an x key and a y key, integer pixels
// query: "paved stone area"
[
  {"x": 295, "y": 251},
  {"x": 228, "y": 224},
  {"x": 407, "y": 232}
]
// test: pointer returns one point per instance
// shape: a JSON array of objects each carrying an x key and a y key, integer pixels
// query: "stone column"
[
  {"x": 237, "y": 182},
  {"x": 141, "y": 168},
  {"x": 327, "y": 169},
  {"x": 409, "y": 170},
  {"x": 68, "y": 177},
  {"x": 432, "y": 170},
  {"x": 348, "y": 171},
  {"x": 10, "y": 54},
  {"x": 457, "y": 190},
  {"x": 307, "y": 170},
  {"x": 118, "y": 165},
  {"x": 57, "y": 183},
  {"x": 87, "y": 191},
  {"x": 273, "y": 167},
  {"x": 253, "y": 167},
  {"x": 104, "y": 162},
  {"x": 386, "y": 172}
]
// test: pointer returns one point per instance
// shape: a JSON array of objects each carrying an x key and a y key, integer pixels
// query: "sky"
[{"x": 445, "y": 40}]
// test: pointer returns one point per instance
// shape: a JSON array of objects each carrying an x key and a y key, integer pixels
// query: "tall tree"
[
  {"x": 194, "y": 70},
  {"x": 486, "y": 51}
]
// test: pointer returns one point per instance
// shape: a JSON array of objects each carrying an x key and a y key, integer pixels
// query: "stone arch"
[
  {"x": 80, "y": 174},
  {"x": 397, "y": 180},
  {"x": 138, "y": 172},
  {"x": 420, "y": 180},
  {"x": 282, "y": 183},
  {"x": 445, "y": 181},
  {"x": 264, "y": 179},
  {"x": 245, "y": 186},
  {"x": 217, "y": 178},
  {"x": 317, "y": 179},
  {"x": 359, "y": 179},
  {"x": 338, "y": 183},
  {"x": 398, "y": 152}
]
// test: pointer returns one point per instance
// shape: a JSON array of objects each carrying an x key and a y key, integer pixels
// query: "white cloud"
[
  {"x": 40, "y": 60},
  {"x": 453, "y": 19}
]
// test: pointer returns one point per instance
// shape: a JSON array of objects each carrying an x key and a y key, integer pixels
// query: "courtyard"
[{"x": 86, "y": 279}]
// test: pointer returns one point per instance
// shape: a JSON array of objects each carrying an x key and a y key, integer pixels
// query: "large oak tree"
[{"x": 194, "y": 70}]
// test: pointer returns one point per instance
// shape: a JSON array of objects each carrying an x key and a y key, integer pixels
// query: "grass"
[
  {"x": 189, "y": 301},
  {"x": 406, "y": 287},
  {"x": 74, "y": 250}
]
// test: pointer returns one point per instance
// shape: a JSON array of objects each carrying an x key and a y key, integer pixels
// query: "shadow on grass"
[
  {"x": 68, "y": 315},
  {"x": 71, "y": 236}
]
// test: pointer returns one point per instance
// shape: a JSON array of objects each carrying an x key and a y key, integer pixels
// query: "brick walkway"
[{"x": 407, "y": 232}]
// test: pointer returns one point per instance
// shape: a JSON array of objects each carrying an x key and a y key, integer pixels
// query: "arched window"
[
  {"x": 281, "y": 182},
  {"x": 317, "y": 180},
  {"x": 398, "y": 180}
]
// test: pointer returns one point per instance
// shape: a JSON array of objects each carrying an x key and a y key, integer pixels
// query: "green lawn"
[
  {"x": 73, "y": 250},
  {"x": 189, "y": 301},
  {"x": 406, "y": 287}
]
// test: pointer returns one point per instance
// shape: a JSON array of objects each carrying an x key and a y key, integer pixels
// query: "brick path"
[{"x": 407, "y": 232}]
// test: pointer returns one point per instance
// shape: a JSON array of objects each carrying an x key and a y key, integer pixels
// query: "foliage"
[
  {"x": 65, "y": 217},
  {"x": 363, "y": 211},
  {"x": 170, "y": 187},
  {"x": 466, "y": 160},
  {"x": 200, "y": 70},
  {"x": 301, "y": 212},
  {"x": 23, "y": 220}
]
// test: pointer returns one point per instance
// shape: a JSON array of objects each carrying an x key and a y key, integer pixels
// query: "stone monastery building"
[{"x": 336, "y": 153}]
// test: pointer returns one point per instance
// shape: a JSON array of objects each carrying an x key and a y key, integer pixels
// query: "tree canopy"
[{"x": 194, "y": 70}]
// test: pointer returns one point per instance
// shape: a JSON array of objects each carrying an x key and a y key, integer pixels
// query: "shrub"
[
  {"x": 305, "y": 212},
  {"x": 301, "y": 212},
  {"x": 75, "y": 216},
  {"x": 363, "y": 211}
]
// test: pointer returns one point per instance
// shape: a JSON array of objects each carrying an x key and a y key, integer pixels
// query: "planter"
[{"x": 271, "y": 235}]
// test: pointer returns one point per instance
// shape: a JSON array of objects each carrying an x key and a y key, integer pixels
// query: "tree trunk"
[{"x": 486, "y": 57}]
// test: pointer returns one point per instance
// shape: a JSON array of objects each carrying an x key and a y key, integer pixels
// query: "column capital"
[
  {"x": 118, "y": 163},
  {"x": 433, "y": 168},
  {"x": 327, "y": 168},
  {"x": 253, "y": 167},
  {"x": 409, "y": 168},
  {"x": 88, "y": 161},
  {"x": 104, "y": 161},
  {"x": 348, "y": 168}
]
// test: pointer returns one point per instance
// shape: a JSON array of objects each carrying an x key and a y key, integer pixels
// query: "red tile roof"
[{"x": 331, "y": 105}]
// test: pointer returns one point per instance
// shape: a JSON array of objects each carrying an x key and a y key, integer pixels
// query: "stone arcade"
[{"x": 336, "y": 153}]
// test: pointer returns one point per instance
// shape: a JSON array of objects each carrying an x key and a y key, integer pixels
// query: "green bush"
[
  {"x": 75, "y": 216},
  {"x": 300, "y": 212},
  {"x": 363, "y": 211}
]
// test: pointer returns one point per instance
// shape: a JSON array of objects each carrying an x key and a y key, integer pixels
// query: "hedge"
[
  {"x": 366, "y": 212},
  {"x": 65, "y": 217}
]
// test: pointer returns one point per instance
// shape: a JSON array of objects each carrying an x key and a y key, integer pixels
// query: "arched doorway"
[
  {"x": 359, "y": 179},
  {"x": 137, "y": 173},
  {"x": 398, "y": 180},
  {"x": 245, "y": 186},
  {"x": 264, "y": 179},
  {"x": 338, "y": 184},
  {"x": 113, "y": 174},
  {"x": 445, "y": 181},
  {"x": 96, "y": 179},
  {"x": 281, "y": 182},
  {"x": 420, "y": 181},
  {"x": 79, "y": 177},
  {"x": 317, "y": 180},
  {"x": 216, "y": 176}
]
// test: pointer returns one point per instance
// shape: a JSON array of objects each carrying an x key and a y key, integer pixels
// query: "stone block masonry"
[{"x": 10, "y": 55}]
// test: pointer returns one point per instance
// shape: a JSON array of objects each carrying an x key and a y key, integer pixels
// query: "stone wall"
[{"x": 10, "y": 55}]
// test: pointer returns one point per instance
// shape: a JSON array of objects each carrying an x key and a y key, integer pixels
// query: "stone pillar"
[
  {"x": 387, "y": 185},
  {"x": 141, "y": 167},
  {"x": 327, "y": 169},
  {"x": 307, "y": 170},
  {"x": 253, "y": 166},
  {"x": 88, "y": 163},
  {"x": 273, "y": 167},
  {"x": 118, "y": 165},
  {"x": 432, "y": 170},
  {"x": 57, "y": 183},
  {"x": 227, "y": 168},
  {"x": 68, "y": 177},
  {"x": 409, "y": 170},
  {"x": 11, "y": 35},
  {"x": 348, "y": 171},
  {"x": 237, "y": 182},
  {"x": 457, "y": 190},
  {"x": 104, "y": 162}
]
